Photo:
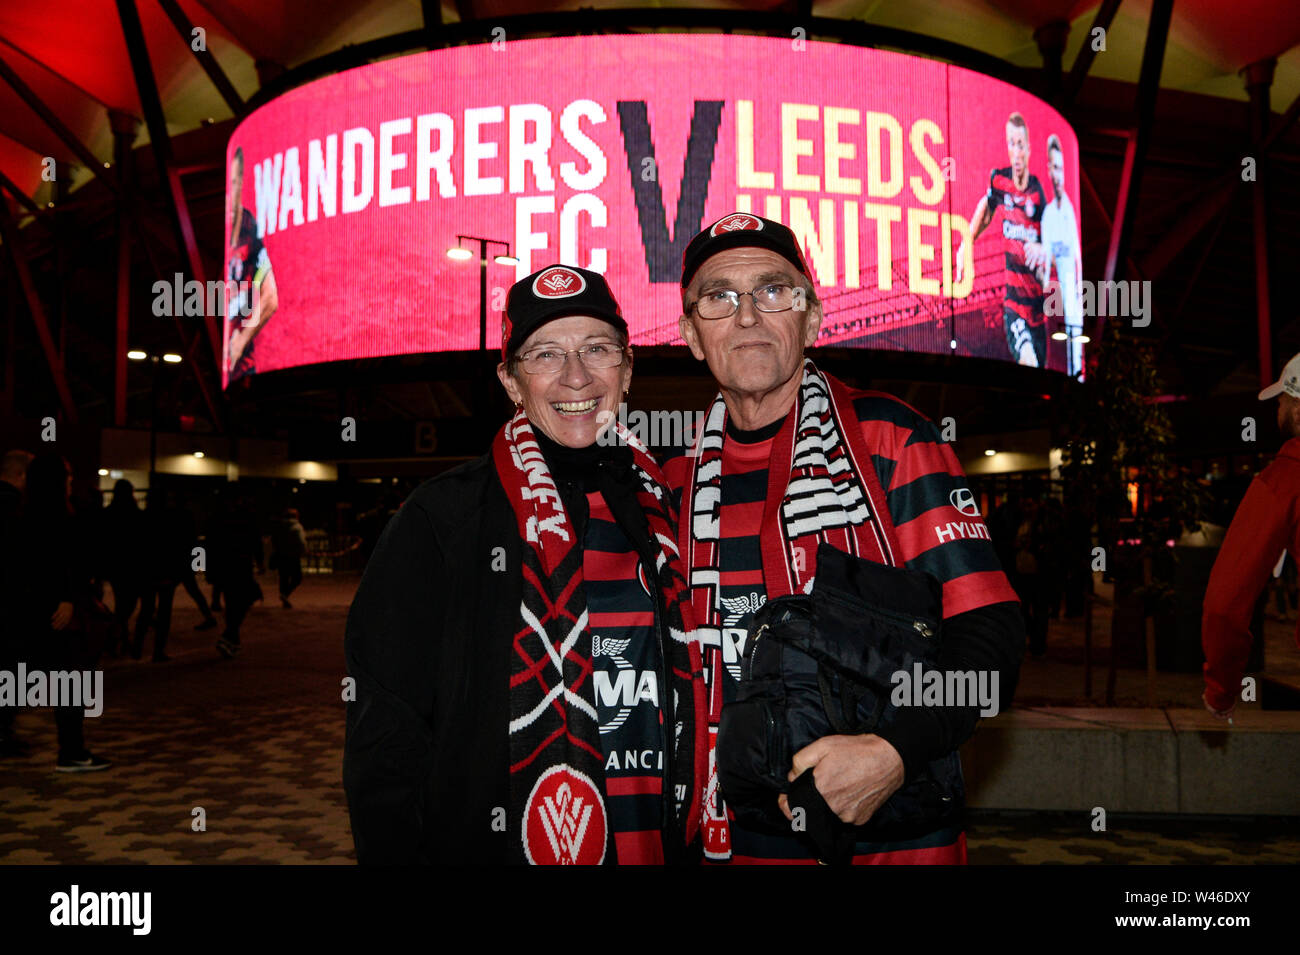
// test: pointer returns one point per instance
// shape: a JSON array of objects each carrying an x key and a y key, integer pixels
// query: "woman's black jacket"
[{"x": 425, "y": 732}]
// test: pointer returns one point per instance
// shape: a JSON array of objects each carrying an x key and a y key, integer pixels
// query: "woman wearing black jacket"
[{"x": 527, "y": 688}]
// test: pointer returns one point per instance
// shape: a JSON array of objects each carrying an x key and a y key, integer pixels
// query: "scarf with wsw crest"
[
  {"x": 822, "y": 486},
  {"x": 557, "y": 779}
]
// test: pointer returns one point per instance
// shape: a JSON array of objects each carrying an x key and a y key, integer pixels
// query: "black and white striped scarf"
[{"x": 822, "y": 487}]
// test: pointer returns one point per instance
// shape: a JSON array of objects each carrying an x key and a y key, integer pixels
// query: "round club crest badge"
[
  {"x": 558, "y": 282},
  {"x": 736, "y": 222},
  {"x": 564, "y": 820}
]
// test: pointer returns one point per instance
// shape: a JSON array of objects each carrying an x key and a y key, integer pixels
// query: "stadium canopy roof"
[
  {"x": 73, "y": 57},
  {"x": 67, "y": 76}
]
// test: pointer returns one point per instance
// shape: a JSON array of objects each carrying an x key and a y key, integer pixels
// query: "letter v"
[{"x": 663, "y": 256}]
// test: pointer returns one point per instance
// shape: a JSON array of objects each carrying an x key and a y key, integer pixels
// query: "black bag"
[{"x": 822, "y": 664}]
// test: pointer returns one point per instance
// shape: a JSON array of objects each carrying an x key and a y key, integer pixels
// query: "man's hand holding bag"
[{"x": 821, "y": 665}]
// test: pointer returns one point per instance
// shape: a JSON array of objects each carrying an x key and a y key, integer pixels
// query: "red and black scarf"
[
  {"x": 822, "y": 486},
  {"x": 557, "y": 780}
]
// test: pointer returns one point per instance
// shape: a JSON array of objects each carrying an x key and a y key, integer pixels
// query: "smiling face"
[
  {"x": 752, "y": 353},
  {"x": 570, "y": 406}
]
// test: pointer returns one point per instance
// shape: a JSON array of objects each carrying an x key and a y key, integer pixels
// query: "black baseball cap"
[
  {"x": 737, "y": 230},
  {"x": 556, "y": 291}
]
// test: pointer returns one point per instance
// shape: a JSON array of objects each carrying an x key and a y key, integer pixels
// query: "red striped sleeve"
[
  {"x": 940, "y": 530},
  {"x": 974, "y": 590}
]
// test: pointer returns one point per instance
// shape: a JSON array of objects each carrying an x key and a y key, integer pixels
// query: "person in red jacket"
[{"x": 1266, "y": 523}]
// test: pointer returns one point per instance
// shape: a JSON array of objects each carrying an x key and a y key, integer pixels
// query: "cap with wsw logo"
[
  {"x": 738, "y": 230},
  {"x": 1289, "y": 382},
  {"x": 556, "y": 291}
]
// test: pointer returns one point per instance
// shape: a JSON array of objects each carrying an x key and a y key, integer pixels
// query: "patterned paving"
[
  {"x": 256, "y": 742},
  {"x": 1060, "y": 838}
]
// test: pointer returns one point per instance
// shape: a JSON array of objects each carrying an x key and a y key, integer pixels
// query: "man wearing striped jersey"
[
  {"x": 1016, "y": 193},
  {"x": 790, "y": 458},
  {"x": 1060, "y": 234}
]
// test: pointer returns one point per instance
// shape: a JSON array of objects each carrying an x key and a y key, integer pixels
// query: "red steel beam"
[
  {"x": 11, "y": 346},
  {"x": 1091, "y": 189},
  {"x": 206, "y": 60},
  {"x": 124, "y": 127},
  {"x": 160, "y": 141},
  {"x": 1188, "y": 226},
  {"x": 1288, "y": 120},
  {"x": 1153, "y": 55},
  {"x": 21, "y": 197},
  {"x": 9, "y": 233},
  {"x": 1259, "y": 78},
  {"x": 1083, "y": 59},
  {"x": 28, "y": 96},
  {"x": 189, "y": 343}
]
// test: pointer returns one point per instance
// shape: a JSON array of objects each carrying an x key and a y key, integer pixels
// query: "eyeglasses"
[
  {"x": 723, "y": 302},
  {"x": 548, "y": 360}
]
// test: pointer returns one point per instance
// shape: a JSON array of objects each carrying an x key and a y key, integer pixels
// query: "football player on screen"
[
  {"x": 1017, "y": 194},
  {"x": 1060, "y": 230},
  {"x": 248, "y": 307}
]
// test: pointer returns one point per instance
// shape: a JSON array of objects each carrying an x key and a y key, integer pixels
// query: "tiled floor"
[
  {"x": 1061, "y": 838},
  {"x": 256, "y": 743}
]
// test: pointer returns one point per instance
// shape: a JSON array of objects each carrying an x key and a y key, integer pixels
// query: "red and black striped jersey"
[
  {"x": 1021, "y": 213},
  {"x": 939, "y": 530},
  {"x": 930, "y": 502},
  {"x": 626, "y": 675},
  {"x": 929, "y": 499}
]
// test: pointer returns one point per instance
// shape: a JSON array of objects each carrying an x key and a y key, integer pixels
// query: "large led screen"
[{"x": 610, "y": 153}]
